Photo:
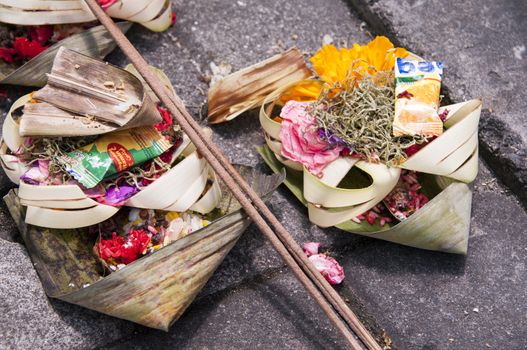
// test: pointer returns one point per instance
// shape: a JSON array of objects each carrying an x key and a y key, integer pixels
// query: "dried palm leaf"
[
  {"x": 94, "y": 42},
  {"x": 247, "y": 88},
  {"x": 153, "y": 291},
  {"x": 106, "y": 98}
]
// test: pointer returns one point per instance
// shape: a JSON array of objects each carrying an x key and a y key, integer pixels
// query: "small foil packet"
[
  {"x": 417, "y": 88},
  {"x": 113, "y": 153}
]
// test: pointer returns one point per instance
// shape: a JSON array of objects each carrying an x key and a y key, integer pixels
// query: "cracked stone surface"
[
  {"x": 419, "y": 297},
  {"x": 31, "y": 320}
]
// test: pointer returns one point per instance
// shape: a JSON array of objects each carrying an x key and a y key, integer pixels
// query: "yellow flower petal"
[
  {"x": 172, "y": 215},
  {"x": 303, "y": 91},
  {"x": 334, "y": 66}
]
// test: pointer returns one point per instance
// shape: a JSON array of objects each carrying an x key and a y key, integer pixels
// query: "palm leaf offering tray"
[
  {"x": 366, "y": 145},
  {"x": 95, "y": 139},
  {"x": 92, "y": 268},
  {"x": 118, "y": 211}
]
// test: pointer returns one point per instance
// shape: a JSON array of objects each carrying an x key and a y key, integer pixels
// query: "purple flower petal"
[
  {"x": 37, "y": 174},
  {"x": 116, "y": 196}
]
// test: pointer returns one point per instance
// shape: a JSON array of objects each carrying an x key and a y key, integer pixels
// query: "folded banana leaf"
[
  {"x": 155, "y": 15},
  {"x": 154, "y": 290},
  {"x": 95, "y": 42},
  {"x": 442, "y": 224}
]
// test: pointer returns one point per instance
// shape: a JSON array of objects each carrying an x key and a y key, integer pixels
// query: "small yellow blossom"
[{"x": 172, "y": 215}]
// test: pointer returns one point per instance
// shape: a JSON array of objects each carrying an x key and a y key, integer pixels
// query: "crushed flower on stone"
[{"x": 328, "y": 266}]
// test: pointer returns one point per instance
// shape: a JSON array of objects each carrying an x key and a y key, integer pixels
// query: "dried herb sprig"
[
  {"x": 135, "y": 175},
  {"x": 53, "y": 149},
  {"x": 360, "y": 115}
]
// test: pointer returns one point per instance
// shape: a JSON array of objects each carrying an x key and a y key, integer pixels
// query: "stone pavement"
[{"x": 422, "y": 299}]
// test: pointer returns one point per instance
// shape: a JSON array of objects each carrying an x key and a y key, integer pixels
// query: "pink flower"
[
  {"x": 37, "y": 174},
  {"x": 311, "y": 248},
  {"x": 105, "y": 4},
  {"x": 301, "y": 141},
  {"x": 328, "y": 267}
]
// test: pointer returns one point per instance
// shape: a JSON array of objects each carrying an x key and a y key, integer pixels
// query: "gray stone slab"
[
  {"x": 430, "y": 300},
  {"x": 484, "y": 47},
  {"x": 31, "y": 321},
  {"x": 274, "y": 312},
  {"x": 8, "y": 229}
]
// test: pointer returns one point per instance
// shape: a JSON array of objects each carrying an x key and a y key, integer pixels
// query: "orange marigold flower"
[
  {"x": 381, "y": 54},
  {"x": 303, "y": 91},
  {"x": 333, "y": 65}
]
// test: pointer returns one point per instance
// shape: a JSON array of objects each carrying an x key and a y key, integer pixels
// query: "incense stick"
[{"x": 323, "y": 293}]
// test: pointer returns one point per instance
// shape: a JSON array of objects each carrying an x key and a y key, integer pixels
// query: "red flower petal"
[
  {"x": 6, "y": 54},
  {"x": 167, "y": 119},
  {"x": 443, "y": 115},
  {"x": 41, "y": 34},
  {"x": 27, "y": 49}
]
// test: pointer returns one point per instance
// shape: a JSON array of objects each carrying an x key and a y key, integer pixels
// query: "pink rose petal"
[
  {"x": 311, "y": 248},
  {"x": 301, "y": 141},
  {"x": 328, "y": 267}
]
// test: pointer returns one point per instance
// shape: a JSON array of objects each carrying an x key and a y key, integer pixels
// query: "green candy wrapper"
[{"x": 113, "y": 153}]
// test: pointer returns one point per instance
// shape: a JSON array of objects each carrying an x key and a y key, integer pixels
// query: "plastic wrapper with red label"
[{"x": 113, "y": 153}]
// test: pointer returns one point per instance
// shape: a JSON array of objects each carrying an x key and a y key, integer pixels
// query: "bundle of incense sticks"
[{"x": 329, "y": 300}]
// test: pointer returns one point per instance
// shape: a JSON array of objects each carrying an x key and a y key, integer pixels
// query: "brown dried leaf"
[{"x": 247, "y": 88}]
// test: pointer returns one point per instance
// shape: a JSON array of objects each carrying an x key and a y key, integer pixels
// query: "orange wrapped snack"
[{"x": 417, "y": 98}]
